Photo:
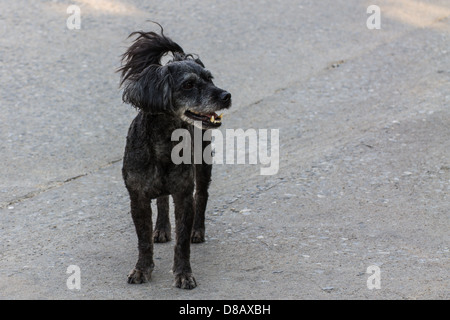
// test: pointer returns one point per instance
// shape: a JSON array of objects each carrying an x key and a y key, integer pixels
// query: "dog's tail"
[{"x": 148, "y": 49}]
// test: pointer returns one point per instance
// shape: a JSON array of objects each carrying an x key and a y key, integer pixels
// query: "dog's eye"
[{"x": 188, "y": 85}]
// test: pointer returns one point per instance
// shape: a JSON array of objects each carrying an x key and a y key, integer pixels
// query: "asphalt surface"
[{"x": 364, "y": 150}]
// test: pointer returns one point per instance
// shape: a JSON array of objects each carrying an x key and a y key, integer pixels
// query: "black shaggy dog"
[{"x": 177, "y": 95}]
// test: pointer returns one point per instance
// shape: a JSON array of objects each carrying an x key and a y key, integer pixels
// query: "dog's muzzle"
[{"x": 211, "y": 119}]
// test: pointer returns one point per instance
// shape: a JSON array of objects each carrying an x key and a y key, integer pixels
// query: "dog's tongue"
[{"x": 212, "y": 117}]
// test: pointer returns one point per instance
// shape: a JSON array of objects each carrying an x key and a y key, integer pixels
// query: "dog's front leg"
[
  {"x": 184, "y": 216},
  {"x": 202, "y": 181},
  {"x": 141, "y": 213}
]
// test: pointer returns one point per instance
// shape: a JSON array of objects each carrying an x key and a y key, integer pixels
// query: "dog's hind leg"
[
  {"x": 184, "y": 216},
  {"x": 202, "y": 181},
  {"x": 162, "y": 227},
  {"x": 141, "y": 213}
]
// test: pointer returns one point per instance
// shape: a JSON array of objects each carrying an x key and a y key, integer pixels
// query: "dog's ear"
[
  {"x": 151, "y": 90},
  {"x": 147, "y": 49}
]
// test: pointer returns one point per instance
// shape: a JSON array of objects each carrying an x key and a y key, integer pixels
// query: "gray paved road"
[{"x": 364, "y": 124}]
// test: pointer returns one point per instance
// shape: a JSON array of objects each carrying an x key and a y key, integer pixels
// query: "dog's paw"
[
  {"x": 137, "y": 276},
  {"x": 198, "y": 236},
  {"x": 161, "y": 236},
  {"x": 185, "y": 281}
]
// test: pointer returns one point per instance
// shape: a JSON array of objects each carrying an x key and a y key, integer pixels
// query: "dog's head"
[{"x": 182, "y": 87}]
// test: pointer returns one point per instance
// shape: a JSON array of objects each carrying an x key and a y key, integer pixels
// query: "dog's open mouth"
[{"x": 207, "y": 119}]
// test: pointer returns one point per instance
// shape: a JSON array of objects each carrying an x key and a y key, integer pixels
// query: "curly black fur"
[{"x": 168, "y": 97}]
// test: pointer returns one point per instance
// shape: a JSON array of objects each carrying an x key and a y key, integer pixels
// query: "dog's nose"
[{"x": 225, "y": 96}]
